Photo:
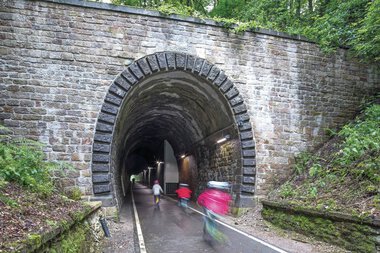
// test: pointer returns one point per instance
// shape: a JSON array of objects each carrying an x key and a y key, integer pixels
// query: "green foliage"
[
  {"x": 22, "y": 161},
  {"x": 367, "y": 41},
  {"x": 350, "y": 172},
  {"x": 360, "y": 139},
  {"x": 315, "y": 170},
  {"x": 301, "y": 162},
  {"x": 74, "y": 193},
  {"x": 287, "y": 190},
  {"x": 352, "y": 23}
]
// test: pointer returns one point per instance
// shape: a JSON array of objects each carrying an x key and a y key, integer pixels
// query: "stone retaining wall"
[{"x": 352, "y": 233}]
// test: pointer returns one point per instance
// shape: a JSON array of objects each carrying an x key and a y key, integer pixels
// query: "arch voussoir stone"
[
  {"x": 190, "y": 63},
  {"x": 153, "y": 63},
  {"x": 170, "y": 58},
  {"x": 220, "y": 79},
  {"x": 161, "y": 58},
  {"x": 198, "y": 65},
  {"x": 180, "y": 60},
  {"x": 206, "y": 69},
  {"x": 143, "y": 64},
  {"x": 129, "y": 77},
  {"x": 136, "y": 71},
  {"x": 214, "y": 72}
]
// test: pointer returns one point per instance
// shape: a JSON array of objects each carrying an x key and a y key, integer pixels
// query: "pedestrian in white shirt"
[{"x": 156, "y": 193}]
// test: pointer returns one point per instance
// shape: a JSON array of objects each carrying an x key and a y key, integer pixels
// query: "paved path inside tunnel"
[{"x": 169, "y": 229}]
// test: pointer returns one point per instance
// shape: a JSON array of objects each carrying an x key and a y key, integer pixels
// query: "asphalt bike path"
[{"x": 170, "y": 229}]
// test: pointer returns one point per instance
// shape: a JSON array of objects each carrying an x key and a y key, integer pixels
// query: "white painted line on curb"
[
  {"x": 245, "y": 234},
  {"x": 138, "y": 226}
]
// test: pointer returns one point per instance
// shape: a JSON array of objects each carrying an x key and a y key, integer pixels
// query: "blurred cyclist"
[
  {"x": 184, "y": 194},
  {"x": 215, "y": 202}
]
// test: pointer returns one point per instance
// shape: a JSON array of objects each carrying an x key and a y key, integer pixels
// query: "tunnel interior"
[{"x": 175, "y": 107}]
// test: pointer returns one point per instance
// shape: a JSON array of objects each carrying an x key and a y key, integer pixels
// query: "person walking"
[{"x": 156, "y": 193}]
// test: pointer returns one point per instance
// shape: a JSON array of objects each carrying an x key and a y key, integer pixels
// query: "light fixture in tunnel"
[
  {"x": 183, "y": 156},
  {"x": 226, "y": 137}
]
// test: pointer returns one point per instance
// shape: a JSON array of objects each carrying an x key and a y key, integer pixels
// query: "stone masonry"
[{"x": 59, "y": 59}]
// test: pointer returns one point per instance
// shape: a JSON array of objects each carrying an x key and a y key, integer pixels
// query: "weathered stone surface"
[
  {"x": 104, "y": 127},
  {"x": 100, "y": 178},
  {"x": 113, "y": 99},
  {"x": 226, "y": 85},
  {"x": 107, "y": 117},
  {"x": 249, "y": 162},
  {"x": 100, "y": 158},
  {"x": 180, "y": 61},
  {"x": 213, "y": 73},
  {"x": 101, "y": 148},
  {"x": 152, "y": 60},
  {"x": 248, "y": 153},
  {"x": 239, "y": 109},
  {"x": 134, "y": 68},
  {"x": 120, "y": 80},
  {"x": 249, "y": 180},
  {"x": 144, "y": 66},
  {"x": 248, "y": 144},
  {"x": 116, "y": 90},
  {"x": 236, "y": 100},
  {"x": 161, "y": 57},
  {"x": 110, "y": 108},
  {"x": 246, "y": 135},
  {"x": 129, "y": 77},
  {"x": 198, "y": 65},
  {"x": 190, "y": 62},
  {"x": 100, "y": 167},
  {"x": 170, "y": 57},
  {"x": 103, "y": 137},
  {"x": 205, "y": 69},
  {"x": 232, "y": 93},
  {"x": 220, "y": 79},
  {"x": 249, "y": 170},
  {"x": 102, "y": 188},
  {"x": 248, "y": 189}
]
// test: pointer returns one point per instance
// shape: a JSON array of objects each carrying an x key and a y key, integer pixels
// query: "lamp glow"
[{"x": 223, "y": 139}]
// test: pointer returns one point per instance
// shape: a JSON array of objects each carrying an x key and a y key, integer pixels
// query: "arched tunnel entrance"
[{"x": 164, "y": 118}]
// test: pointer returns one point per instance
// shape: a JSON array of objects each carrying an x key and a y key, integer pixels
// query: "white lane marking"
[
  {"x": 245, "y": 234},
  {"x": 138, "y": 226}
]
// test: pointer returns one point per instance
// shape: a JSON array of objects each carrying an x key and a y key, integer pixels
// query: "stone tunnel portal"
[{"x": 168, "y": 122}]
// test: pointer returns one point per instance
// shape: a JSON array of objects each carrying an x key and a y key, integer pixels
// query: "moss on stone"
[
  {"x": 352, "y": 236},
  {"x": 77, "y": 239},
  {"x": 34, "y": 240}
]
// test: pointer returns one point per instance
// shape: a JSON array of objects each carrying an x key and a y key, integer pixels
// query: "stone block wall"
[{"x": 58, "y": 59}]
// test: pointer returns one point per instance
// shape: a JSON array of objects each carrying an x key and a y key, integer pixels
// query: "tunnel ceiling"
[{"x": 174, "y": 106}]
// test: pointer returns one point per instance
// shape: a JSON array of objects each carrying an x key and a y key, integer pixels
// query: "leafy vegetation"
[
  {"x": 22, "y": 161},
  {"x": 344, "y": 174},
  {"x": 331, "y": 23}
]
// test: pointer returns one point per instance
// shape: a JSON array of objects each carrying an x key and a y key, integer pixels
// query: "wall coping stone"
[
  {"x": 336, "y": 216},
  {"x": 31, "y": 246},
  {"x": 157, "y": 14}
]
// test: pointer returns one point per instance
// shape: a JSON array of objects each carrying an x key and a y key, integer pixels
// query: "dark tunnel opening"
[{"x": 163, "y": 117}]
